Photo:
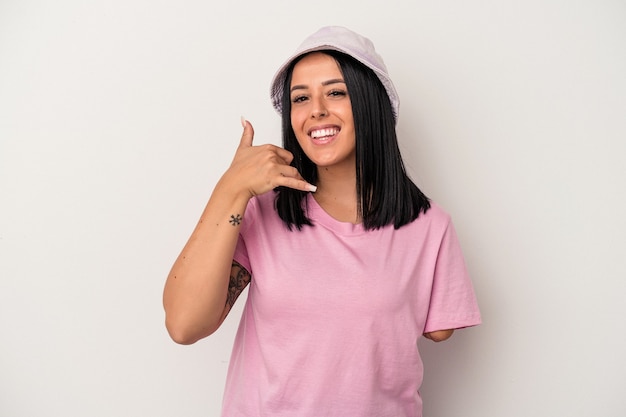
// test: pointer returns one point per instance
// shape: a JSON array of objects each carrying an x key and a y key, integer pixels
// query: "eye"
[
  {"x": 337, "y": 93},
  {"x": 299, "y": 99}
]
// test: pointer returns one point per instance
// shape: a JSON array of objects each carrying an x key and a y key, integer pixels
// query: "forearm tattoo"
[
  {"x": 239, "y": 278},
  {"x": 235, "y": 220}
]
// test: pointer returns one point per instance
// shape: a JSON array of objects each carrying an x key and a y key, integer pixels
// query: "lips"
[{"x": 323, "y": 133}]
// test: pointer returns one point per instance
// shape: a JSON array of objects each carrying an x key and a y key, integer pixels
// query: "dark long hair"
[{"x": 385, "y": 194}]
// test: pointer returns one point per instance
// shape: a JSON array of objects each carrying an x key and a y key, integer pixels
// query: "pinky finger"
[{"x": 298, "y": 184}]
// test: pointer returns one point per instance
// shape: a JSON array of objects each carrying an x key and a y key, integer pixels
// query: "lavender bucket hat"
[{"x": 340, "y": 39}]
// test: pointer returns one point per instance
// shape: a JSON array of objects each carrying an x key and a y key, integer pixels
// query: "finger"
[
  {"x": 291, "y": 172},
  {"x": 297, "y": 184},
  {"x": 290, "y": 177},
  {"x": 284, "y": 154},
  {"x": 247, "y": 135},
  {"x": 279, "y": 154}
]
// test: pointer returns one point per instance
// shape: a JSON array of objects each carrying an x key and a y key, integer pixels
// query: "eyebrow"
[{"x": 324, "y": 83}]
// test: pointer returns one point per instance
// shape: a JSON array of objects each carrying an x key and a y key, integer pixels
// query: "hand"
[{"x": 259, "y": 169}]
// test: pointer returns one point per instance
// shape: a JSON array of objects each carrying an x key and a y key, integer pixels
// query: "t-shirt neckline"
[{"x": 318, "y": 215}]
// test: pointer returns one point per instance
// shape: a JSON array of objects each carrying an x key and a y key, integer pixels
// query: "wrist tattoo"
[{"x": 235, "y": 220}]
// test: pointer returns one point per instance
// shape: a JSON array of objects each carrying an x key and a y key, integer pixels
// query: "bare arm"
[
  {"x": 197, "y": 297},
  {"x": 439, "y": 335},
  {"x": 239, "y": 279},
  {"x": 195, "y": 292}
]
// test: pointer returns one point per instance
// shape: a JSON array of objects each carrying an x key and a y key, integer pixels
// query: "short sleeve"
[{"x": 453, "y": 303}]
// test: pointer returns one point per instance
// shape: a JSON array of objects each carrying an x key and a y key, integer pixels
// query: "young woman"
[{"x": 348, "y": 262}]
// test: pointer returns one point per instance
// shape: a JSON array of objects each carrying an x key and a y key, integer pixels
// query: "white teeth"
[{"x": 323, "y": 132}]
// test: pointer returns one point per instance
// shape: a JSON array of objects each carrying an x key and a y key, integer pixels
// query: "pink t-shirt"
[{"x": 334, "y": 312}]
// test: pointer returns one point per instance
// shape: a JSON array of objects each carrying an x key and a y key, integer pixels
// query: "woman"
[{"x": 348, "y": 262}]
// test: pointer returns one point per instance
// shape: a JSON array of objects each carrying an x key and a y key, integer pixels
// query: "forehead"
[{"x": 316, "y": 65}]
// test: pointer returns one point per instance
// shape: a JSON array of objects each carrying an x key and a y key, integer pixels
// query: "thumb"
[{"x": 248, "y": 134}]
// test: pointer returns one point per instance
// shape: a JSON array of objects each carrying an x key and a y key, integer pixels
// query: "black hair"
[{"x": 385, "y": 193}]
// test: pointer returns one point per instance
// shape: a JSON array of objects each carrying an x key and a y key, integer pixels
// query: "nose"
[{"x": 319, "y": 109}]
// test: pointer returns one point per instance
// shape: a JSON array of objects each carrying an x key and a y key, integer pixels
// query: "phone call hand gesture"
[{"x": 259, "y": 169}]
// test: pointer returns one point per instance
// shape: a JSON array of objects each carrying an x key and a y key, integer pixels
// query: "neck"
[
  {"x": 337, "y": 181},
  {"x": 336, "y": 193}
]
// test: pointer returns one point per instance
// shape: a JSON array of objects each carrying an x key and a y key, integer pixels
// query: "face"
[{"x": 321, "y": 112}]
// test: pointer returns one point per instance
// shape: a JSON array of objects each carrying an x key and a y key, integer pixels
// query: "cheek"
[
  {"x": 296, "y": 126},
  {"x": 297, "y": 117},
  {"x": 346, "y": 111}
]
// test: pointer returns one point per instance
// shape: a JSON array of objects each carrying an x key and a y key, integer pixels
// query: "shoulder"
[
  {"x": 435, "y": 216},
  {"x": 429, "y": 227},
  {"x": 262, "y": 204},
  {"x": 261, "y": 211}
]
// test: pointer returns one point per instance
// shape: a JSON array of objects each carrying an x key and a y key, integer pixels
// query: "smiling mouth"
[{"x": 324, "y": 134}]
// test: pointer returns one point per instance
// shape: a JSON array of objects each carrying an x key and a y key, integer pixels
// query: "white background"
[{"x": 117, "y": 118}]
